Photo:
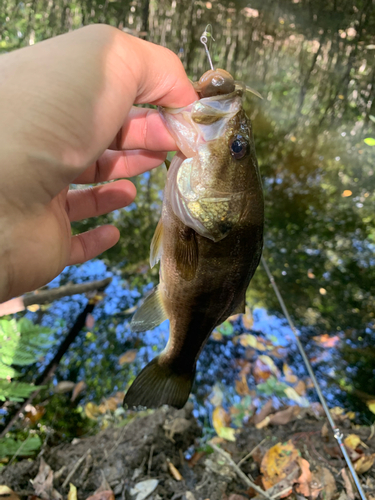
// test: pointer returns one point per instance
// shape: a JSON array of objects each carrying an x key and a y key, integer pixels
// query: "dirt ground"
[{"x": 165, "y": 446}]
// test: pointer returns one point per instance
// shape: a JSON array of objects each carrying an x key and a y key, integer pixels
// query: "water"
[{"x": 313, "y": 62}]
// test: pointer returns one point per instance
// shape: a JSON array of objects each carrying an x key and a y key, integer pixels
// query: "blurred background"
[{"x": 313, "y": 61}]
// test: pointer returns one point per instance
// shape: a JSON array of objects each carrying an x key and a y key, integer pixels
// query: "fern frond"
[
  {"x": 9, "y": 447},
  {"x": 16, "y": 391}
]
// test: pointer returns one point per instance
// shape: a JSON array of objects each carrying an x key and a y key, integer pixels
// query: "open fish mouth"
[{"x": 202, "y": 121}]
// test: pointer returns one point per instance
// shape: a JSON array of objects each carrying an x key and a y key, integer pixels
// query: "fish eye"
[{"x": 239, "y": 147}]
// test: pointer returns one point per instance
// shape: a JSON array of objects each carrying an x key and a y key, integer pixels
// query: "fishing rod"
[{"x": 336, "y": 430}]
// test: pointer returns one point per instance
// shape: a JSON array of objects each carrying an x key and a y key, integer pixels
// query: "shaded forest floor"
[{"x": 158, "y": 456}]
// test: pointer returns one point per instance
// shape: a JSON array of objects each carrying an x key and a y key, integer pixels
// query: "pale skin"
[{"x": 67, "y": 116}]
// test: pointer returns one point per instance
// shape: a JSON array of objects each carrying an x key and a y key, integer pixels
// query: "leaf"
[
  {"x": 288, "y": 374},
  {"x": 72, "y": 495},
  {"x": 216, "y": 398},
  {"x": 128, "y": 357},
  {"x": 371, "y": 405},
  {"x": 143, "y": 489},
  {"x": 248, "y": 340},
  {"x": 34, "y": 413},
  {"x": 10, "y": 446},
  {"x": 78, "y": 388},
  {"x": 220, "y": 420},
  {"x": 43, "y": 482},
  {"x": 228, "y": 433},
  {"x": 102, "y": 495},
  {"x": 278, "y": 463},
  {"x": 247, "y": 319},
  {"x": 270, "y": 363},
  {"x": 326, "y": 340},
  {"x": 242, "y": 388},
  {"x": 92, "y": 411},
  {"x": 300, "y": 388},
  {"x": 370, "y": 141},
  {"x": 175, "y": 472},
  {"x": 352, "y": 441},
  {"x": 226, "y": 328},
  {"x": 364, "y": 463},
  {"x": 7, "y": 493},
  {"x": 372, "y": 117},
  {"x": 283, "y": 417},
  {"x": 322, "y": 481},
  {"x": 33, "y": 307},
  {"x": 294, "y": 396},
  {"x": 304, "y": 480},
  {"x": 64, "y": 386},
  {"x": 261, "y": 371},
  {"x": 348, "y": 484}
]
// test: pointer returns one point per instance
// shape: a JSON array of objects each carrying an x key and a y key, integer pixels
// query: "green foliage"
[
  {"x": 272, "y": 387},
  {"x": 21, "y": 343},
  {"x": 10, "y": 447}
]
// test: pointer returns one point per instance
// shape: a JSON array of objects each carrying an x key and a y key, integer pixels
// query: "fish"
[{"x": 208, "y": 240}]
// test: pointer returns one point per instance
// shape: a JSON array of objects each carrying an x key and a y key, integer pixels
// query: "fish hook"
[{"x": 204, "y": 39}]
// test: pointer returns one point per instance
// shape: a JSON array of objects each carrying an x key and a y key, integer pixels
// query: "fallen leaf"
[
  {"x": 303, "y": 482},
  {"x": 300, "y": 388},
  {"x": 352, "y": 441},
  {"x": 102, "y": 495},
  {"x": 364, "y": 463},
  {"x": 143, "y": 489},
  {"x": 264, "y": 412},
  {"x": 220, "y": 421},
  {"x": 261, "y": 371},
  {"x": 270, "y": 363},
  {"x": 348, "y": 484},
  {"x": 371, "y": 405},
  {"x": 175, "y": 472},
  {"x": 216, "y": 397},
  {"x": 241, "y": 386},
  {"x": 72, "y": 495},
  {"x": 34, "y": 413},
  {"x": 7, "y": 493},
  {"x": 278, "y": 462},
  {"x": 248, "y": 340},
  {"x": 322, "y": 480},
  {"x": 108, "y": 404},
  {"x": 288, "y": 374},
  {"x": 92, "y": 410},
  {"x": 263, "y": 423},
  {"x": 247, "y": 319},
  {"x": 195, "y": 458},
  {"x": 292, "y": 394},
  {"x": 78, "y": 388},
  {"x": 128, "y": 357},
  {"x": 325, "y": 430},
  {"x": 217, "y": 336},
  {"x": 235, "y": 496},
  {"x": 283, "y": 417},
  {"x": 64, "y": 386},
  {"x": 326, "y": 340},
  {"x": 43, "y": 483}
]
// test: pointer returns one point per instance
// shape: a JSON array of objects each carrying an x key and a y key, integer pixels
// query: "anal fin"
[
  {"x": 240, "y": 309},
  {"x": 150, "y": 314}
]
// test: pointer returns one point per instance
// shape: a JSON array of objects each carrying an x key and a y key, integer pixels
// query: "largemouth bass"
[{"x": 209, "y": 238}]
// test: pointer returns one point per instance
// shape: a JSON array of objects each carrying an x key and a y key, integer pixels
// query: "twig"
[
  {"x": 239, "y": 472},
  {"x": 250, "y": 453},
  {"x": 371, "y": 433},
  {"x": 75, "y": 468},
  {"x": 150, "y": 460}
]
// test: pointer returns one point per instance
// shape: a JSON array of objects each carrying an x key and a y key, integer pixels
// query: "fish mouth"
[{"x": 202, "y": 121}]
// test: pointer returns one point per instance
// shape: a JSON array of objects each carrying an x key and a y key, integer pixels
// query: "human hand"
[{"x": 67, "y": 116}]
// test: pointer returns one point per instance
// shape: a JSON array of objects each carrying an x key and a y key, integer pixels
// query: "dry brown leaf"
[
  {"x": 278, "y": 462},
  {"x": 364, "y": 463},
  {"x": 43, "y": 483},
  {"x": 242, "y": 388},
  {"x": 304, "y": 479},
  {"x": 92, "y": 411},
  {"x": 102, "y": 495},
  {"x": 7, "y": 493},
  {"x": 270, "y": 363},
  {"x": 34, "y": 413},
  {"x": 128, "y": 357},
  {"x": 300, "y": 388},
  {"x": 348, "y": 484},
  {"x": 326, "y": 340},
  {"x": 325, "y": 430},
  {"x": 288, "y": 374},
  {"x": 264, "y": 412},
  {"x": 78, "y": 388},
  {"x": 175, "y": 472},
  {"x": 322, "y": 481},
  {"x": 261, "y": 371},
  {"x": 283, "y": 417},
  {"x": 64, "y": 386}
]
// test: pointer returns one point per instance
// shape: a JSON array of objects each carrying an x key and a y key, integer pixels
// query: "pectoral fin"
[
  {"x": 186, "y": 253},
  {"x": 150, "y": 314},
  {"x": 156, "y": 244}
]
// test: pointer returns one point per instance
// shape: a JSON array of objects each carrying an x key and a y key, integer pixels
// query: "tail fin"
[{"x": 158, "y": 385}]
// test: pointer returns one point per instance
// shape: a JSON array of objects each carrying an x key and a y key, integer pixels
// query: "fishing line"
[
  {"x": 336, "y": 431},
  {"x": 204, "y": 39}
]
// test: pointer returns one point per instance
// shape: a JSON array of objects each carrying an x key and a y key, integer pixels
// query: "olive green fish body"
[{"x": 209, "y": 241}]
